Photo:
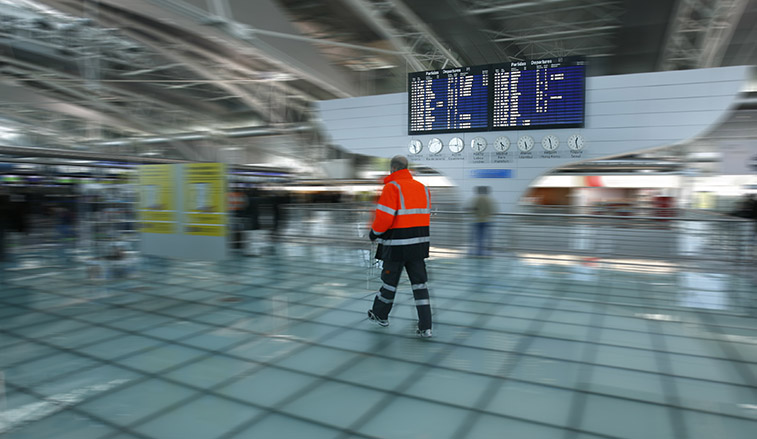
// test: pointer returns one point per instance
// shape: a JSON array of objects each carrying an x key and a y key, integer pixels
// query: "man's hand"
[{"x": 372, "y": 235}]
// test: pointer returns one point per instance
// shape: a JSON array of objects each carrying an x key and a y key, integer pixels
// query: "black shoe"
[{"x": 381, "y": 322}]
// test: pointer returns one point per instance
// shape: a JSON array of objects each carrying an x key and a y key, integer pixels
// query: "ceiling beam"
[
  {"x": 416, "y": 46},
  {"x": 699, "y": 33},
  {"x": 552, "y": 35},
  {"x": 496, "y": 6},
  {"x": 241, "y": 19}
]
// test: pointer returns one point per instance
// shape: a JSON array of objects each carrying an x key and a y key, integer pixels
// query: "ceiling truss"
[{"x": 699, "y": 33}]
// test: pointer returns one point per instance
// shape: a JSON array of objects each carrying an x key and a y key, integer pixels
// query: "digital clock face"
[
  {"x": 478, "y": 144},
  {"x": 526, "y": 143},
  {"x": 501, "y": 144}
]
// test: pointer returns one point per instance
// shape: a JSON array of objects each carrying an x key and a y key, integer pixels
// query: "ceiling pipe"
[
  {"x": 229, "y": 134},
  {"x": 36, "y": 152}
]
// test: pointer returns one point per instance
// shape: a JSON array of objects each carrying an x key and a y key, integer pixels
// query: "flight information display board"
[
  {"x": 449, "y": 100},
  {"x": 545, "y": 93}
]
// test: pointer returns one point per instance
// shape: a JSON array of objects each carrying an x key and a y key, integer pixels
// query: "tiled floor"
[{"x": 280, "y": 347}]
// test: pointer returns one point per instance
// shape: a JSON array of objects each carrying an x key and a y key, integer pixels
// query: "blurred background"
[
  {"x": 93, "y": 89},
  {"x": 622, "y": 277}
]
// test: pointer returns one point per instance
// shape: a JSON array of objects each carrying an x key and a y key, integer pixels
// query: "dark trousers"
[
  {"x": 2, "y": 241},
  {"x": 482, "y": 238},
  {"x": 390, "y": 276}
]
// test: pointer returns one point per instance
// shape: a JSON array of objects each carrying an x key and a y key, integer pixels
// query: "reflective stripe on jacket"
[{"x": 402, "y": 218}]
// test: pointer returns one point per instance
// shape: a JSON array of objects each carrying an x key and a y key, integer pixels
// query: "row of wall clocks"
[{"x": 501, "y": 144}]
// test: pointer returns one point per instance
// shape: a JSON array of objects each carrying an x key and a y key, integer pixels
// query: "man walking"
[
  {"x": 401, "y": 228},
  {"x": 483, "y": 209}
]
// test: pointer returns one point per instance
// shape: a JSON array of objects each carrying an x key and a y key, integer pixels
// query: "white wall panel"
[{"x": 624, "y": 114}]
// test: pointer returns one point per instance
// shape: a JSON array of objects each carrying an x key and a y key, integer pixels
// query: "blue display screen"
[
  {"x": 538, "y": 94},
  {"x": 449, "y": 100},
  {"x": 519, "y": 95}
]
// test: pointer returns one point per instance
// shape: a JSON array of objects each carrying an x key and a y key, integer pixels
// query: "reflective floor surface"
[{"x": 279, "y": 346}]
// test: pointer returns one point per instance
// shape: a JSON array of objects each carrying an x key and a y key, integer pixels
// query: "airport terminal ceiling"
[{"x": 235, "y": 81}]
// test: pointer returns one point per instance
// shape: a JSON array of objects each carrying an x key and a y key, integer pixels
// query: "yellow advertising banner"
[
  {"x": 157, "y": 210},
  {"x": 205, "y": 199}
]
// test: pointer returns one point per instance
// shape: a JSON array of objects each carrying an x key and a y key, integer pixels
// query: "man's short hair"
[{"x": 398, "y": 162}]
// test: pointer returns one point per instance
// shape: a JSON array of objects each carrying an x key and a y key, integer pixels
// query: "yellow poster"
[
  {"x": 205, "y": 199},
  {"x": 157, "y": 210}
]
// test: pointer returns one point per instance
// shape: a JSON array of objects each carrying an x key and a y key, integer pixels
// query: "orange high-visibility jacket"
[{"x": 402, "y": 220}]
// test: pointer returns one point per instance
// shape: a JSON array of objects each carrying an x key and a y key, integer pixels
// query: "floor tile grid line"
[
  {"x": 667, "y": 308},
  {"x": 527, "y": 306},
  {"x": 677, "y": 284},
  {"x": 552, "y": 337},
  {"x": 96, "y": 301},
  {"x": 95, "y": 342},
  {"x": 28, "y": 315},
  {"x": 641, "y": 306},
  {"x": 392, "y": 358},
  {"x": 5, "y": 292},
  {"x": 704, "y": 411},
  {"x": 609, "y": 314},
  {"x": 151, "y": 375},
  {"x": 26, "y": 324},
  {"x": 231, "y": 307},
  {"x": 16, "y": 291},
  {"x": 266, "y": 410},
  {"x": 621, "y": 329},
  {"x": 101, "y": 307},
  {"x": 583, "y": 381},
  {"x": 125, "y": 332},
  {"x": 733, "y": 355},
  {"x": 319, "y": 380},
  {"x": 14, "y": 343},
  {"x": 524, "y": 343},
  {"x": 26, "y": 285},
  {"x": 671, "y": 394},
  {"x": 138, "y": 332},
  {"x": 271, "y": 363},
  {"x": 56, "y": 327},
  {"x": 182, "y": 366},
  {"x": 111, "y": 305},
  {"x": 413, "y": 377},
  {"x": 628, "y": 259},
  {"x": 707, "y": 357},
  {"x": 735, "y": 313}
]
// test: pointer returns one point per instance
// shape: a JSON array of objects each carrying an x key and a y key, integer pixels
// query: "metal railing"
[{"x": 690, "y": 239}]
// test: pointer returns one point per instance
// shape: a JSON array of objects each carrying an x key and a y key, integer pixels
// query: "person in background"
[
  {"x": 747, "y": 208},
  {"x": 4, "y": 222},
  {"x": 401, "y": 228},
  {"x": 483, "y": 209}
]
